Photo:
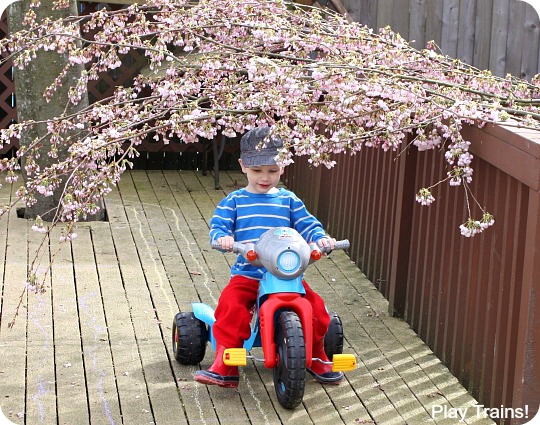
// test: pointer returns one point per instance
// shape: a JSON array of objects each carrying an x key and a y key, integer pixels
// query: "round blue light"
[{"x": 288, "y": 261}]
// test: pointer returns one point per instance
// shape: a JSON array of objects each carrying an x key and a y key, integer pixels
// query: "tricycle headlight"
[{"x": 288, "y": 261}]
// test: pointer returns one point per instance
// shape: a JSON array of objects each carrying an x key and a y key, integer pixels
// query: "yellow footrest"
[
  {"x": 343, "y": 362},
  {"x": 235, "y": 357}
]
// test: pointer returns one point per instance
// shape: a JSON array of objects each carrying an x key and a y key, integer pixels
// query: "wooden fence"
[
  {"x": 500, "y": 35},
  {"x": 471, "y": 300}
]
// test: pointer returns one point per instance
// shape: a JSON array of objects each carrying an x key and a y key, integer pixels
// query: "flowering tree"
[{"x": 325, "y": 85}]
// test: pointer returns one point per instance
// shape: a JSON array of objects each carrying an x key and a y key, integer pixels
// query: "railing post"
[
  {"x": 399, "y": 267},
  {"x": 527, "y": 372}
]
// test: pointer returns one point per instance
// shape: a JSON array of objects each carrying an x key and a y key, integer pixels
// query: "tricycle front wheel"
[
  {"x": 189, "y": 336},
  {"x": 290, "y": 372}
]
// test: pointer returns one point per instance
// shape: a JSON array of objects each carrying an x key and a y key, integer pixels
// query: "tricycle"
[{"x": 282, "y": 319}]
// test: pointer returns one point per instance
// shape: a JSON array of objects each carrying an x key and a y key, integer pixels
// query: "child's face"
[{"x": 262, "y": 179}]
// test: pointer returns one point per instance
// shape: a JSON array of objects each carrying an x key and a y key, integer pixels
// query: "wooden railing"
[{"x": 473, "y": 301}]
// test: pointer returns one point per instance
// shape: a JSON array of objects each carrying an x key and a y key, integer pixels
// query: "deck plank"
[
  {"x": 129, "y": 374},
  {"x": 98, "y": 362},
  {"x": 146, "y": 291},
  {"x": 40, "y": 375},
  {"x": 13, "y": 345},
  {"x": 193, "y": 227},
  {"x": 95, "y": 348},
  {"x": 68, "y": 351},
  {"x": 5, "y": 199}
]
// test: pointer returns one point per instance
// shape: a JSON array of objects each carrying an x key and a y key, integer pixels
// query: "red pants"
[{"x": 233, "y": 315}]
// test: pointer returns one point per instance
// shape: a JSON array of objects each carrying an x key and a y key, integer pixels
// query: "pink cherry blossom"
[{"x": 326, "y": 86}]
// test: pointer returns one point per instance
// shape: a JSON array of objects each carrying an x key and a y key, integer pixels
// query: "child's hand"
[
  {"x": 226, "y": 243},
  {"x": 327, "y": 243}
]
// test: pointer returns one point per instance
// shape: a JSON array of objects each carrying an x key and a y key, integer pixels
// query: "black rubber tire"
[
  {"x": 333, "y": 340},
  {"x": 189, "y": 337},
  {"x": 290, "y": 372}
]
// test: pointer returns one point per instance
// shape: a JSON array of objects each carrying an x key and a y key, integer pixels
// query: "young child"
[{"x": 244, "y": 215}]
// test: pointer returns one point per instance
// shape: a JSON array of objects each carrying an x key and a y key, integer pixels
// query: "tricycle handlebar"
[
  {"x": 240, "y": 248},
  {"x": 282, "y": 251}
]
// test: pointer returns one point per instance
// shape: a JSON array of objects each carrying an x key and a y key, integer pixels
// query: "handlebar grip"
[
  {"x": 238, "y": 248},
  {"x": 215, "y": 245},
  {"x": 344, "y": 244}
]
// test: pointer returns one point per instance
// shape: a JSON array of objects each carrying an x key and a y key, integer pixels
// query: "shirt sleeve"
[
  {"x": 224, "y": 218},
  {"x": 304, "y": 222}
]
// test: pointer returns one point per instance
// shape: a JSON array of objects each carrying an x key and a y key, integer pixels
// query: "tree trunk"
[{"x": 31, "y": 83}]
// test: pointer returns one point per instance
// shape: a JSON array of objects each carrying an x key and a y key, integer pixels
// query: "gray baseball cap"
[{"x": 251, "y": 153}]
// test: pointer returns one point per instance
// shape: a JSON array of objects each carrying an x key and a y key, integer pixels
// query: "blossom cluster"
[
  {"x": 472, "y": 227},
  {"x": 326, "y": 86},
  {"x": 424, "y": 197}
]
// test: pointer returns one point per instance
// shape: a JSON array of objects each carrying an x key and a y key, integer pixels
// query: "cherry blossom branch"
[{"x": 325, "y": 85}]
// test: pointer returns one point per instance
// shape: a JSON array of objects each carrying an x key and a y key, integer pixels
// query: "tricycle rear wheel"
[
  {"x": 189, "y": 336},
  {"x": 290, "y": 372},
  {"x": 333, "y": 340}
]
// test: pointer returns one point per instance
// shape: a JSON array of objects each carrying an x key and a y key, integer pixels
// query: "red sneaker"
[
  {"x": 320, "y": 371},
  {"x": 219, "y": 373}
]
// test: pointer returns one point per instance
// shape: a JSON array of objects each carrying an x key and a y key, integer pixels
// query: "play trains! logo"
[{"x": 479, "y": 411}]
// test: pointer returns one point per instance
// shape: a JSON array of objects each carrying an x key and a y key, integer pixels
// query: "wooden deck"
[{"x": 95, "y": 348}]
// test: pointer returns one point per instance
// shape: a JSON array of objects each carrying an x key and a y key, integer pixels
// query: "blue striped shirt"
[{"x": 246, "y": 216}]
